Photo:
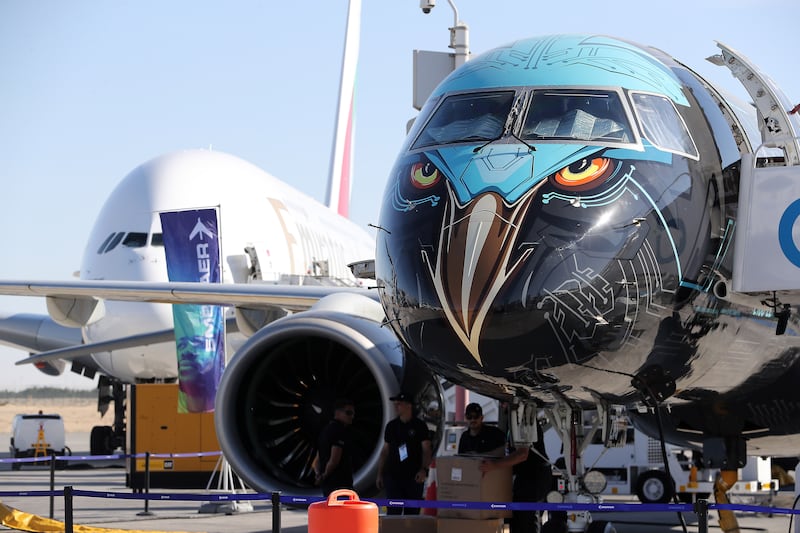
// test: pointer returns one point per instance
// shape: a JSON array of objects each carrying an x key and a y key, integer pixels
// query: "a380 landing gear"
[{"x": 103, "y": 440}]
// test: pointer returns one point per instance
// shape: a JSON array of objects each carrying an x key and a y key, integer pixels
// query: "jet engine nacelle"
[{"x": 278, "y": 392}]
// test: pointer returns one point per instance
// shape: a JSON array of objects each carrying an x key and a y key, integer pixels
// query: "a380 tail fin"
[{"x": 338, "y": 196}]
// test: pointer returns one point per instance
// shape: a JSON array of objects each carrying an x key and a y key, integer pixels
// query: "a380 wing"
[
  {"x": 293, "y": 298},
  {"x": 289, "y": 297}
]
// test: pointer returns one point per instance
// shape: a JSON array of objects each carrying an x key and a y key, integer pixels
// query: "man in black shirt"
[
  {"x": 405, "y": 456},
  {"x": 480, "y": 438},
  {"x": 533, "y": 479},
  {"x": 334, "y": 466}
]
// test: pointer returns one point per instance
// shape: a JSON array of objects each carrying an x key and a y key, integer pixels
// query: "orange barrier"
[{"x": 343, "y": 516}]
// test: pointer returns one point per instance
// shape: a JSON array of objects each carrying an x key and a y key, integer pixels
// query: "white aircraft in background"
[
  {"x": 284, "y": 247},
  {"x": 270, "y": 232}
]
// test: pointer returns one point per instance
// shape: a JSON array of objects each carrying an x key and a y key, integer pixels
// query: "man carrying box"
[{"x": 533, "y": 479}]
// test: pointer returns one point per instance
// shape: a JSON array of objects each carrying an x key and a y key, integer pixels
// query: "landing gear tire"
[
  {"x": 601, "y": 526},
  {"x": 654, "y": 486},
  {"x": 100, "y": 440}
]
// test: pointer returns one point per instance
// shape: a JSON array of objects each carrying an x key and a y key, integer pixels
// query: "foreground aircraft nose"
[
  {"x": 523, "y": 287},
  {"x": 552, "y": 215}
]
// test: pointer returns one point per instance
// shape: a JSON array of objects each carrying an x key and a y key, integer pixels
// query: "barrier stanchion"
[
  {"x": 701, "y": 509},
  {"x": 146, "y": 511},
  {"x": 68, "y": 509},
  {"x": 52, "y": 483},
  {"x": 276, "y": 511}
]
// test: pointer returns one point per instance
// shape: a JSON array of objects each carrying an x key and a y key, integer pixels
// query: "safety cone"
[
  {"x": 692, "y": 477},
  {"x": 430, "y": 492}
]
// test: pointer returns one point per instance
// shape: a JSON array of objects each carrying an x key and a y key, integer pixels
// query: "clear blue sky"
[{"x": 91, "y": 89}]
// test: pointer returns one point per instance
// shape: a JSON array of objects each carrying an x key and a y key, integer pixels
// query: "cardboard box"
[
  {"x": 458, "y": 478},
  {"x": 464, "y": 525},
  {"x": 407, "y": 524}
]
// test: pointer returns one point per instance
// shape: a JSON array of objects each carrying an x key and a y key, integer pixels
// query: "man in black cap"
[
  {"x": 480, "y": 438},
  {"x": 405, "y": 456},
  {"x": 334, "y": 465}
]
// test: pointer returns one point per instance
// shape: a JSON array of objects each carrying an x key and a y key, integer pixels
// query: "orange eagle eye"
[
  {"x": 584, "y": 172},
  {"x": 424, "y": 175}
]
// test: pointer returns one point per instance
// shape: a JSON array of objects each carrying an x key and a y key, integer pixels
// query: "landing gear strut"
[
  {"x": 104, "y": 440},
  {"x": 577, "y": 485}
]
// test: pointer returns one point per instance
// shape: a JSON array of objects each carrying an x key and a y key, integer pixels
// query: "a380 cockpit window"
[
  {"x": 130, "y": 240},
  {"x": 135, "y": 240},
  {"x": 471, "y": 117},
  {"x": 662, "y": 125},
  {"x": 111, "y": 242},
  {"x": 577, "y": 115}
]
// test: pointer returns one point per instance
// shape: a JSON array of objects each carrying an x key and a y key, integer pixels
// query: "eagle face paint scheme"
[{"x": 557, "y": 219}]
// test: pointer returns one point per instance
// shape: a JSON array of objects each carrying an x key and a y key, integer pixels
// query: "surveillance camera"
[{"x": 427, "y": 5}]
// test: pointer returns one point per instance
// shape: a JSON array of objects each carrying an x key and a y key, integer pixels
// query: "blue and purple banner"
[{"x": 191, "y": 245}]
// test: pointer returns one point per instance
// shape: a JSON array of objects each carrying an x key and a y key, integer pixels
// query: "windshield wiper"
[
  {"x": 487, "y": 143},
  {"x": 531, "y": 148}
]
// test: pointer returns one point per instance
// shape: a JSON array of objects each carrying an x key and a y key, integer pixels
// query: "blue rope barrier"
[
  {"x": 68, "y": 458},
  {"x": 305, "y": 500},
  {"x": 437, "y": 504},
  {"x": 606, "y": 507},
  {"x": 24, "y": 493}
]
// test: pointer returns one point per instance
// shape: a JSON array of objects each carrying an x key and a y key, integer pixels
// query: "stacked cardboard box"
[
  {"x": 430, "y": 524},
  {"x": 458, "y": 478},
  {"x": 466, "y": 525},
  {"x": 407, "y": 524}
]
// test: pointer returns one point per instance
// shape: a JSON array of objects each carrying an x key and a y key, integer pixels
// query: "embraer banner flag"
[{"x": 191, "y": 244}]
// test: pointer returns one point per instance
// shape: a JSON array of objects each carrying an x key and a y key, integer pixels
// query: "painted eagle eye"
[
  {"x": 584, "y": 173},
  {"x": 424, "y": 175}
]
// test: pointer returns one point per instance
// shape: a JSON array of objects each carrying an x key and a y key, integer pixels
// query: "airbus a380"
[
  {"x": 569, "y": 225},
  {"x": 288, "y": 256}
]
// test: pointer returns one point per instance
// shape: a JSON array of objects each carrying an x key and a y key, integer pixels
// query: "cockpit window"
[
  {"x": 473, "y": 117},
  {"x": 135, "y": 240},
  {"x": 102, "y": 247},
  {"x": 662, "y": 125},
  {"x": 580, "y": 115},
  {"x": 114, "y": 242},
  {"x": 131, "y": 240}
]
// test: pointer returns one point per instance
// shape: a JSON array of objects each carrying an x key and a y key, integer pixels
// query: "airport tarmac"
[{"x": 184, "y": 516}]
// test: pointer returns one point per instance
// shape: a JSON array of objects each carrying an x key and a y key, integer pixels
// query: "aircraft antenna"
[{"x": 338, "y": 196}]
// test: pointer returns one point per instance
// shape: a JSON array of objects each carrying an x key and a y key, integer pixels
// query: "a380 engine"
[{"x": 278, "y": 392}]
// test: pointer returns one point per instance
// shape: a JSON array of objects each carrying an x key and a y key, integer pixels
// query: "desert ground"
[{"x": 79, "y": 414}]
